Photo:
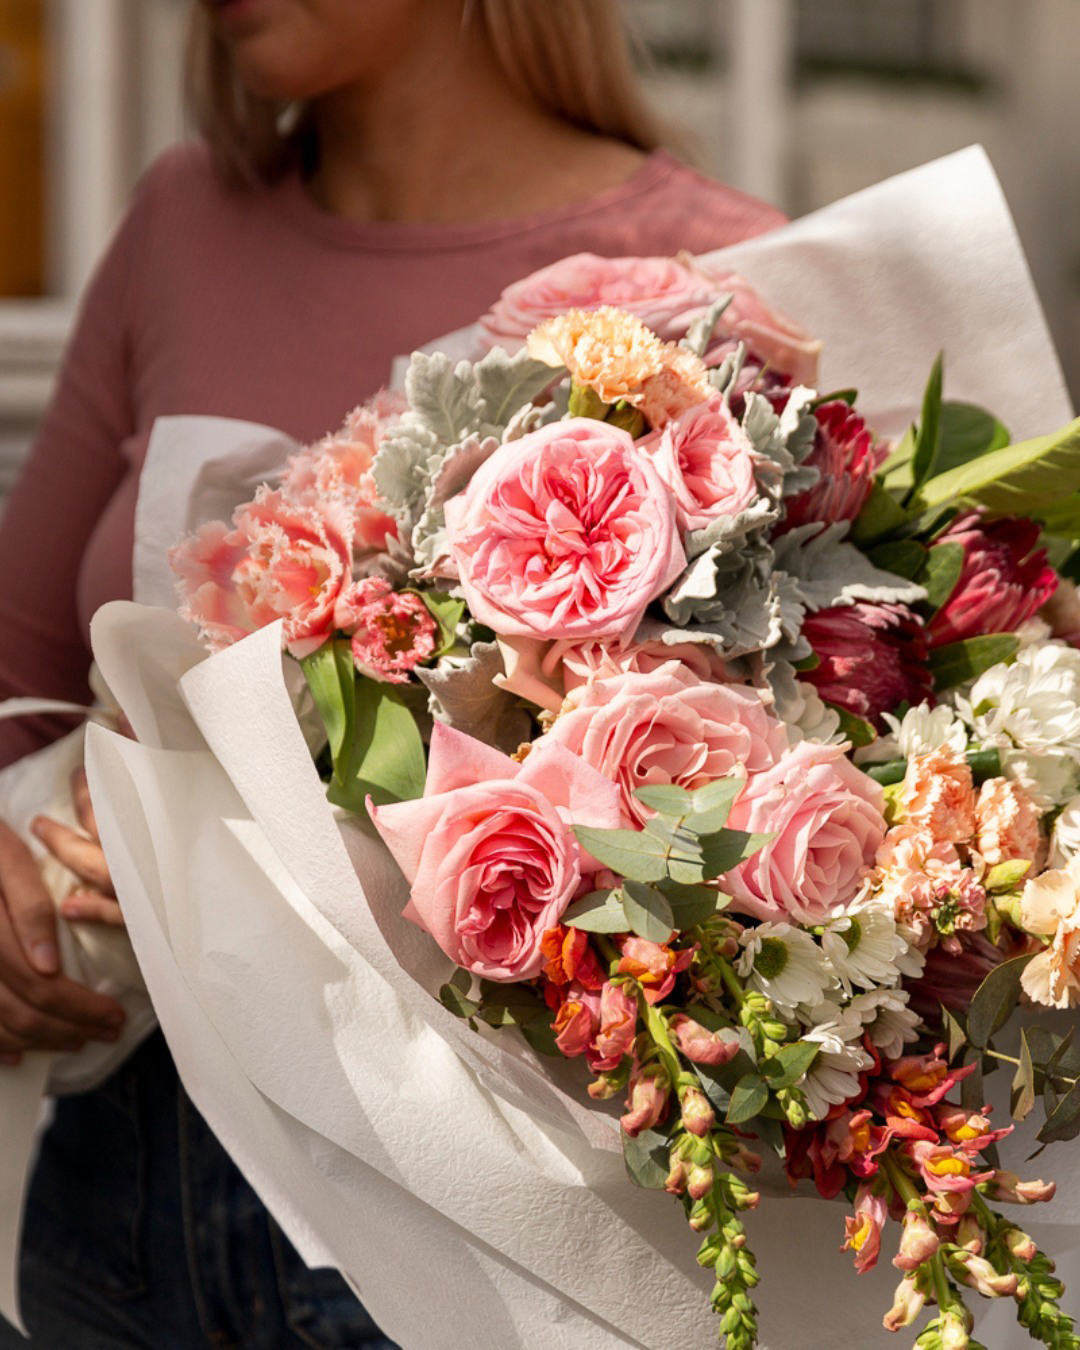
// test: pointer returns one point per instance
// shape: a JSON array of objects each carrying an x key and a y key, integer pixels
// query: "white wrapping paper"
[{"x": 470, "y": 1198}]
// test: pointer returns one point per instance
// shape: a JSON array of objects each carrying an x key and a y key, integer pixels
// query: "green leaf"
[
  {"x": 504, "y": 1005},
  {"x": 994, "y": 1000},
  {"x": 1064, "y": 1123},
  {"x": 648, "y": 912},
  {"x": 984, "y": 764},
  {"x": 1017, "y": 479},
  {"x": 1066, "y": 1058},
  {"x": 1023, "y": 1084},
  {"x": 647, "y": 1159},
  {"x": 967, "y": 432},
  {"x": 789, "y": 1064},
  {"x": 958, "y": 662},
  {"x": 886, "y": 774},
  {"x": 928, "y": 436},
  {"x": 724, "y": 850},
  {"x": 747, "y": 1099},
  {"x": 955, "y": 1034},
  {"x": 668, "y": 799},
  {"x": 700, "y": 812},
  {"x": 896, "y": 472},
  {"x": 540, "y": 1036},
  {"x": 386, "y": 759},
  {"x": 901, "y": 557},
  {"x": 629, "y": 853},
  {"x": 944, "y": 563},
  {"x": 855, "y": 729},
  {"x": 972, "y": 1090},
  {"x": 453, "y": 997},
  {"x": 692, "y": 905},
  {"x": 331, "y": 677},
  {"x": 447, "y": 611},
  {"x": 598, "y": 912},
  {"x": 880, "y": 515}
]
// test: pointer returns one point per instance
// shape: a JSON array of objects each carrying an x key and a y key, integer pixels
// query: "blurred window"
[{"x": 923, "y": 38}]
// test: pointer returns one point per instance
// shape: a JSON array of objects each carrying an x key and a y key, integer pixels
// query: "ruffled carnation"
[
  {"x": 681, "y": 383},
  {"x": 939, "y": 795},
  {"x": 871, "y": 658},
  {"x": 1006, "y": 823},
  {"x": 825, "y": 818},
  {"x": 707, "y": 460},
  {"x": 668, "y": 727},
  {"x": 605, "y": 350},
  {"x": 392, "y": 631},
  {"x": 1050, "y": 907},
  {"x": 1004, "y": 580},
  {"x": 568, "y": 532}
]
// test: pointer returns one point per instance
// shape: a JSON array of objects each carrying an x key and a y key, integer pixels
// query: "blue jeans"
[{"x": 141, "y": 1232}]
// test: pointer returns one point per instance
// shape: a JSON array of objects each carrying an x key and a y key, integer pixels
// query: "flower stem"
[
  {"x": 656, "y": 1026},
  {"x": 731, "y": 981}
]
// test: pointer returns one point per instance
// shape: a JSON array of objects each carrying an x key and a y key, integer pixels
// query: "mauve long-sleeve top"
[{"x": 256, "y": 304}]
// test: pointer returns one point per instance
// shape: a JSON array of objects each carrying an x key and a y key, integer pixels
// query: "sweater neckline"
[{"x": 304, "y": 213}]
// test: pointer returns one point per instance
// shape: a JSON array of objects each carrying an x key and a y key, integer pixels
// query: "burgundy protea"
[
  {"x": 846, "y": 456},
  {"x": 1004, "y": 580},
  {"x": 871, "y": 657}
]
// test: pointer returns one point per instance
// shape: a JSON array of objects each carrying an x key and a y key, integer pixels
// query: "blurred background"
[{"x": 797, "y": 101}]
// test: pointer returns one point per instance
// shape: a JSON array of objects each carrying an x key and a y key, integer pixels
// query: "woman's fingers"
[
  {"x": 92, "y": 907},
  {"x": 28, "y": 903},
  {"x": 26, "y": 1028},
  {"x": 83, "y": 856},
  {"x": 84, "y": 807}
]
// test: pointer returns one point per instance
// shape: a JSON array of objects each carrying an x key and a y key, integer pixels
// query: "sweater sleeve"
[{"x": 73, "y": 468}]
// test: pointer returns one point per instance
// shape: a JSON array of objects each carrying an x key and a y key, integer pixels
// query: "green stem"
[
  {"x": 1012, "y": 1059},
  {"x": 607, "y": 948},
  {"x": 905, "y": 1189},
  {"x": 731, "y": 981},
  {"x": 657, "y": 1029}
]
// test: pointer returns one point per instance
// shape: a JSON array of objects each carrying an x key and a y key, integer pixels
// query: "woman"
[{"x": 371, "y": 176}]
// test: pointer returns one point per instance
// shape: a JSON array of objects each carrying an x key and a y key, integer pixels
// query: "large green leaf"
[
  {"x": 880, "y": 515},
  {"x": 958, "y": 662},
  {"x": 944, "y": 563},
  {"x": 598, "y": 912},
  {"x": 967, "y": 432},
  {"x": 994, "y": 1000},
  {"x": 928, "y": 436},
  {"x": 331, "y": 677},
  {"x": 648, "y": 911},
  {"x": 1027, "y": 479},
  {"x": 647, "y": 1159},
  {"x": 386, "y": 759},
  {"x": 748, "y": 1097}
]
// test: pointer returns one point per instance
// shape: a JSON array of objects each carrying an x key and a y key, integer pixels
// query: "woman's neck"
[{"x": 448, "y": 140}]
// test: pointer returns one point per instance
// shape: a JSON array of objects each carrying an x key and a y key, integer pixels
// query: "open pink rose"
[
  {"x": 568, "y": 532},
  {"x": 825, "y": 818},
  {"x": 489, "y": 849},
  {"x": 661, "y": 292},
  {"x": 707, "y": 461},
  {"x": 283, "y": 560},
  {"x": 668, "y": 727},
  {"x": 771, "y": 338},
  {"x": 546, "y": 673}
]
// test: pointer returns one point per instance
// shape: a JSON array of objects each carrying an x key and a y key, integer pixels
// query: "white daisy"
[
  {"x": 863, "y": 946},
  {"x": 1065, "y": 841},
  {"x": 834, "y": 1075},
  {"x": 785, "y": 964},
  {"x": 886, "y": 1019}
]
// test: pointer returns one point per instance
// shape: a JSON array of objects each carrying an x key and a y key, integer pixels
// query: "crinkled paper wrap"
[{"x": 469, "y": 1191}]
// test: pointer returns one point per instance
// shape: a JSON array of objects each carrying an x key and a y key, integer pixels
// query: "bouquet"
[
  {"x": 723, "y": 745},
  {"x": 730, "y": 839}
]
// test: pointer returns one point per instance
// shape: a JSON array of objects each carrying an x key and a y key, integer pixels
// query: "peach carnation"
[
  {"x": 1050, "y": 907},
  {"x": 1006, "y": 823},
  {"x": 681, "y": 383},
  {"x": 939, "y": 794},
  {"x": 606, "y": 350}
]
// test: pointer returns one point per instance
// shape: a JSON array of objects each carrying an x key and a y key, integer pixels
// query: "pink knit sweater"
[{"x": 258, "y": 305}]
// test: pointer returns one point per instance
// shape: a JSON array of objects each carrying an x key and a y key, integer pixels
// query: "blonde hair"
[{"x": 573, "y": 57}]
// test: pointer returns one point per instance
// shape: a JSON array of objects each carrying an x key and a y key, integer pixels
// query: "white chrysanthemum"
[
  {"x": 887, "y": 1020},
  {"x": 785, "y": 964},
  {"x": 1032, "y": 704},
  {"x": 1049, "y": 777},
  {"x": 863, "y": 946},
  {"x": 1065, "y": 841},
  {"x": 834, "y": 1074},
  {"x": 924, "y": 729}
]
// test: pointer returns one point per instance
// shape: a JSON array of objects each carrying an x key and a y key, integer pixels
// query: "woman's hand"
[
  {"x": 41, "y": 1009},
  {"x": 95, "y": 900}
]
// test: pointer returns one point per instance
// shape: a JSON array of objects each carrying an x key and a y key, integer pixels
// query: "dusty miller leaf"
[
  {"x": 830, "y": 572},
  {"x": 443, "y": 397},
  {"x": 464, "y": 697}
]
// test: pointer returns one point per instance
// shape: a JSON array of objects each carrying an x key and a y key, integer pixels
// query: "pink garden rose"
[
  {"x": 489, "y": 850},
  {"x": 546, "y": 673},
  {"x": 1005, "y": 578},
  {"x": 392, "y": 631},
  {"x": 339, "y": 466},
  {"x": 707, "y": 461},
  {"x": 668, "y": 727},
  {"x": 661, "y": 292},
  {"x": 281, "y": 560},
  {"x": 568, "y": 532},
  {"x": 771, "y": 339},
  {"x": 825, "y": 816},
  {"x": 847, "y": 456}
]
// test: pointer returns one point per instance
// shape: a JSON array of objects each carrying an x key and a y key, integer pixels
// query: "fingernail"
[
  {"x": 36, "y": 825},
  {"x": 70, "y": 911},
  {"x": 45, "y": 957}
]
